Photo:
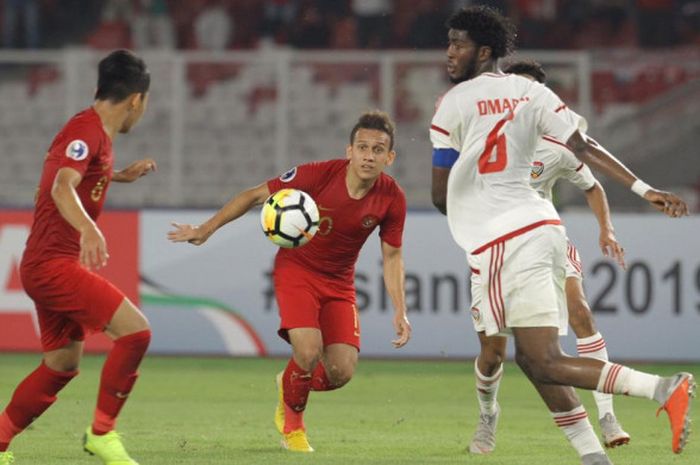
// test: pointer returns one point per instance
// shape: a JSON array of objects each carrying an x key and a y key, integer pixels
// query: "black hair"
[
  {"x": 378, "y": 120},
  {"x": 120, "y": 74},
  {"x": 529, "y": 67},
  {"x": 486, "y": 27}
]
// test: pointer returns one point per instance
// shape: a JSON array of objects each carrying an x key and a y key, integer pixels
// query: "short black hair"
[
  {"x": 378, "y": 120},
  {"x": 486, "y": 27},
  {"x": 529, "y": 67},
  {"x": 120, "y": 74}
]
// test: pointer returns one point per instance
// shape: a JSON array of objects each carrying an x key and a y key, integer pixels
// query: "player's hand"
[
  {"x": 187, "y": 233},
  {"x": 403, "y": 330},
  {"x": 667, "y": 202},
  {"x": 93, "y": 248},
  {"x": 135, "y": 170},
  {"x": 611, "y": 248}
]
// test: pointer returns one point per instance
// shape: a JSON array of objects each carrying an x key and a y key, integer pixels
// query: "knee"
[
  {"x": 307, "y": 357},
  {"x": 540, "y": 369},
  {"x": 340, "y": 374},
  {"x": 62, "y": 364},
  {"x": 490, "y": 360}
]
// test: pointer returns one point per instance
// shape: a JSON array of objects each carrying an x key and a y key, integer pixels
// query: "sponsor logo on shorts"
[
  {"x": 369, "y": 221},
  {"x": 77, "y": 150},
  {"x": 289, "y": 175},
  {"x": 537, "y": 169},
  {"x": 476, "y": 314}
]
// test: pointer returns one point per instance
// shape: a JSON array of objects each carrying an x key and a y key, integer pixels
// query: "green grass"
[{"x": 219, "y": 411}]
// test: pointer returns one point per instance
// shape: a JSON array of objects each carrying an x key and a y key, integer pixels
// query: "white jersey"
[
  {"x": 554, "y": 160},
  {"x": 495, "y": 121}
]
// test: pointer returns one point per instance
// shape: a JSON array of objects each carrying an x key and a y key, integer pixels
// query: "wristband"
[{"x": 640, "y": 188}]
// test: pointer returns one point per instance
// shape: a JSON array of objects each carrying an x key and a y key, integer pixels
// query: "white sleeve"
[
  {"x": 581, "y": 177},
  {"x": 573, "y": 118},
  {"x": 446, "y": 126},
  {"x": 551, "y": 124}
]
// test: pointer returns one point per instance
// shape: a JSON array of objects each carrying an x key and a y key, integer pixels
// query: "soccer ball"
[{"x": 289, "y": 218}]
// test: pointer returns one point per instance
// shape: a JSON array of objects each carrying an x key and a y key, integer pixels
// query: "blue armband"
[{"x": 444, "y": 158}]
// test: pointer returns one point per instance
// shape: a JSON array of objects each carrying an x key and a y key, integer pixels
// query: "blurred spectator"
[
  {"x": 689, "y": 27},
  {"x": 373, "y": 22},
  {"x": 213, "y": 27},
  {"x": 113, "y": 31},
  {"x": 278, "y": 18},
  {"x": 500, "y": 5},
  {"x": 29, "y": 11},
  {"x": 312, "y": 29},
  {"x": 152, "y": 26},
  {"x": 655, "y": 23},
  {"x": 428, "y": 27}
]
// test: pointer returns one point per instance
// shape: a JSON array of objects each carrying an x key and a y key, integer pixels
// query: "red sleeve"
[
  {"x": 391, "y": 229},
  {"x": 303, "y": 177},
  {"x": 79, "y": 143}
]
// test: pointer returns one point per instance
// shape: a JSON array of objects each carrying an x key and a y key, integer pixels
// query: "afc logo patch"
[
  {"x": 77, "y": 150},
  {"x": 369, "y": 221},
  {"x": 537, "y": 169},
  {"x": 289, "y": 175},
  {"x": 476, "y": 315}
]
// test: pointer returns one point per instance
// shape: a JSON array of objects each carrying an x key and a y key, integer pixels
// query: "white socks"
[
  {"x": 578, "y": 430},
  {"x": 487, "y": 389},
  {"x": 594, "y": 347},
  {"x": 618, "y": 379}
]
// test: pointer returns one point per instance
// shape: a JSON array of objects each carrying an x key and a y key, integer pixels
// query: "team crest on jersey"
[
  {"x": 289, "y": 175},
  {"x": 369, "y": 221},
  {"x": 77, "y": 150},
  {"x": 476, "y": 314},
  {"x": 537, "y": 169}
]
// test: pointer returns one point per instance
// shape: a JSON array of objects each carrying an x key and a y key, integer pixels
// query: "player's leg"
[
  {"x": 539, "y": 355},
  {"x": 337, "y": 367},
  {"x": 298, "y": 302},
  {"x": 571, "y": 418},
  {"x": 590, "y": 344},
  {"x": 340, "y": 327},
  {"x": 294, "y": 385},
  {"x": 488, "y": 368},
  {"x": 37, "y": 392},
  {"x": 130, "y": 331}
]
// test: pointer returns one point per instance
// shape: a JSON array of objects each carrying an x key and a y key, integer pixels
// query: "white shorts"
[
  {"x": 520, "y": 283},
  {"x": 574, "y": 267}
]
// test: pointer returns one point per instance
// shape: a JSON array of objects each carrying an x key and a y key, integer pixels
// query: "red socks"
[
  {"x": 31, "y": 398},
  {"x": 296, "y": 383},
  {"x": 319, "y": 379},
  {"x": 118, "y": 377}
]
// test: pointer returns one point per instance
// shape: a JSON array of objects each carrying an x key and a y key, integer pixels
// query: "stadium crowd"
[{"x": 338, "y": 24}]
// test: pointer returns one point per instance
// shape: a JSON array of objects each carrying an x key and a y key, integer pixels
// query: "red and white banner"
[{"x": 18, "y": 325}]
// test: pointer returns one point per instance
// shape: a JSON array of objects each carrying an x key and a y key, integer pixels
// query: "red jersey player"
[
  {"x": 314, "y": 284},
  {"x": 64, "y": 246}
]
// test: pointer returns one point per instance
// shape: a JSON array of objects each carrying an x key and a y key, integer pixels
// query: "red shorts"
[
  {"x": 70, "y": 300},
  {"x": 311, "y": 300}
]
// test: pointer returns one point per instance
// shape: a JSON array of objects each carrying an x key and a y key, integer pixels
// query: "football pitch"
[{"x": 205, "y": 411}]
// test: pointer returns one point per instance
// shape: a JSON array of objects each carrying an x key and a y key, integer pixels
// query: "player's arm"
[
  {"x": 135, "y": 170},
  {"x": 598, "y": 202},
  {"x": 438, "y": 188},
  {"x": 93, "y": 248},
  {"x": 591, "y": 153},
  {"x": 445, "y": 130},
  {"x": 236, "y": 207},
  {"x": 394, "y": 282}
]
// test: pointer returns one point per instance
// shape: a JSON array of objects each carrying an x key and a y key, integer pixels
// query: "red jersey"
[
  {"x": 345, "y": 223},
  {"x": 83, "y": 145}
]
